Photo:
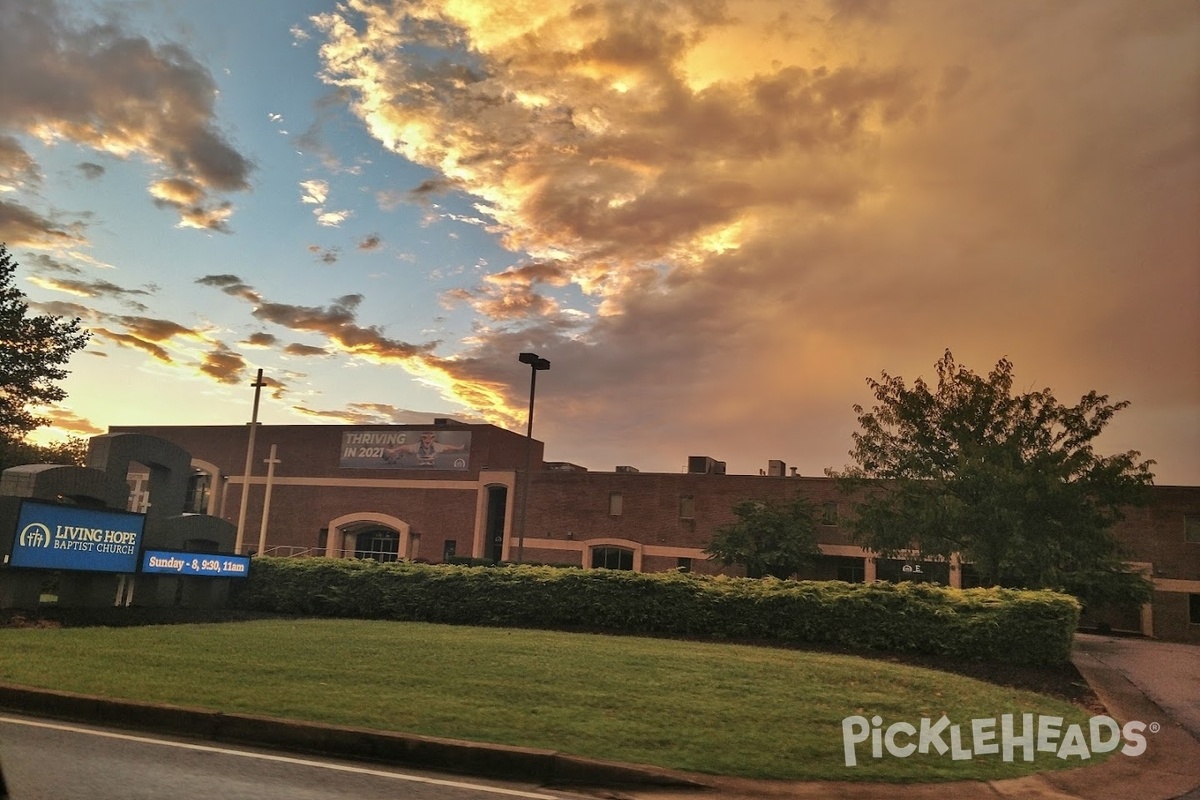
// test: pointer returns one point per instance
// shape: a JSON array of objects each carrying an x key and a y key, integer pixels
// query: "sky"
[{"x": 715, "y": 219}]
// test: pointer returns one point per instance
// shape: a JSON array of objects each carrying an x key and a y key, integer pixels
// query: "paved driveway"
[{"x": 1166, "y": 672}]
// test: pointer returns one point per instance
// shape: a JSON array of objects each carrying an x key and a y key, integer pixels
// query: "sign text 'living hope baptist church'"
[{"x": 51, "y": 536}]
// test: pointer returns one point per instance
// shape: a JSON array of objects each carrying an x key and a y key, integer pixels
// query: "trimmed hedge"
[{"x": 997, "y": 625}]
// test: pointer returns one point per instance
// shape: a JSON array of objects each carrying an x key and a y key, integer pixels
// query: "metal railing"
[{"x": 292, "y": 551}]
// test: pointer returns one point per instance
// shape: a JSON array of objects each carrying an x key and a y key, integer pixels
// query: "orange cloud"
[
  {"x": 224, "y": 365},
  {"x": 763, "y": 205}
]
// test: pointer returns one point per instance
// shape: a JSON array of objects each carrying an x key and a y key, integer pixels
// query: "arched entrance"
[{"x": 369, "y": 534}]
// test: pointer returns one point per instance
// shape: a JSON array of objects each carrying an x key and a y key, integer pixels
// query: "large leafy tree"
[
  {"x": 33, "y": 352},
  {"x": 770, "y": 538},
  {"x": 1010, "y": 481}
]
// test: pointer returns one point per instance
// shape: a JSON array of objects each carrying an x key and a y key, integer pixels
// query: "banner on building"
[
  {"x": 424, "y": 450},
  {"x": 50, "y": 536}
]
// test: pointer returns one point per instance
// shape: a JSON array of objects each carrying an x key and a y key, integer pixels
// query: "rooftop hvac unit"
[
  {"x": 776, "y": 468},
  {"x": 700, "y": 465},
  {"x": 627, "y": 469},
  {"x": 718, "y": 468},
  {"x": 564, "y": 466}
]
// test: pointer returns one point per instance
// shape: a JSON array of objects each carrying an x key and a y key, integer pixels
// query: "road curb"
[{"x": 450, "y": 755}]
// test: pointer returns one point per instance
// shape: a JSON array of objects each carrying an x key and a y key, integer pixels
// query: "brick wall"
[
  {"x": 577, "y": 503},
  {"x": 567, "y": 511},
  {"x": 315, "y": 450},
  {"x": 1155, "y": 533},
  {"x": 1171, "y": 618}
]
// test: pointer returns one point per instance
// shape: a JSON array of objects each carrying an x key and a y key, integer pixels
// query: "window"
[
  {"x": 1194, "y": 609},
  {"x": 683, "y": 564},
  {"x": 616, "y": 502},
  {"x": 448, "y": 548},
  {"x": 687, "y": 507},
  {"x": 851, "y": 570},
  {"x": 1191, "y": 528},
  {"x": 379, "y": 544},
  {"x": 612, "y": 558},
  {"x": 829, "y": 515},
  {"x": 199, "y": 485}
]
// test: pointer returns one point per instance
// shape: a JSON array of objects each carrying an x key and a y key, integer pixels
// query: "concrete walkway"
[{"x": 1168, "y": 673}]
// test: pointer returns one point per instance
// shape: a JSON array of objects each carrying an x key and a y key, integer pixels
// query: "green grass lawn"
[{"x": 716, "y": 708}]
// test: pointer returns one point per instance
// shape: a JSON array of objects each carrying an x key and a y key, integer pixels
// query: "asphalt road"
[
  {"x": 1166, "y": 672},
  {"x": 48, "y": 760}
]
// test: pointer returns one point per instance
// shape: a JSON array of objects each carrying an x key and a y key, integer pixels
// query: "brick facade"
[{"x": 664, "y": 520}]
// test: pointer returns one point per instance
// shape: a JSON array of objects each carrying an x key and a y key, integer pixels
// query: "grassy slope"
[{"x": 726, "y": 709}]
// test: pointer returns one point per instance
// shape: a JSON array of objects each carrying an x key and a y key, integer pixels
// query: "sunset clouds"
[
  {"x": 90, "y": 84},
  {"x": 716, "y": 219},
  {"x": 763, "y": 203},
  {"x": 336, "y": 322}
]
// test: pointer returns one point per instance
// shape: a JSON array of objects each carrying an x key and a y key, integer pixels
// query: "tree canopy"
[
  {"x": 1012, "y": 482},
  {"x": 33, "y": 352},
  {"x": 15, "y": 452},
  {"x": 770, "y": 538}
]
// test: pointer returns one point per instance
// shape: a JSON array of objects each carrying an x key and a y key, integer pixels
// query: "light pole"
[{"x": 535, "y": 363}]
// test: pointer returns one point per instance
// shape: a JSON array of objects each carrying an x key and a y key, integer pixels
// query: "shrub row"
[{"x": 998, "y": 625}]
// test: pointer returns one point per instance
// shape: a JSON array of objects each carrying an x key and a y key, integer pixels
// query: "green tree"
[
  {"x": 1010, "y": 481},
  {"x": 33, "y": 350},
  {"x": 770, "y": 538},
  {"x": 72, "y": 451}
]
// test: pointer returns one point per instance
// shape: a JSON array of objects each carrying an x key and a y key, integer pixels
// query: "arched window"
[
  {"x": 610, "y": 557},
  {"x": 380, "y": 544}
]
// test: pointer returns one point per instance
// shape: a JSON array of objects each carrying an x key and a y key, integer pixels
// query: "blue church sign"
[{"x": 50, "y": 536}]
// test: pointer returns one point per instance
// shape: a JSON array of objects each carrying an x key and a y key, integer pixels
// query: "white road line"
[{"x": 400, "y": 776}]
